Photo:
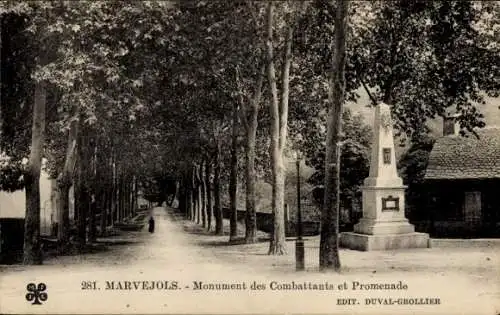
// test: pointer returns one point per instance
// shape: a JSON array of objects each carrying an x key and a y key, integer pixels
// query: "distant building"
[
  {"x": 13, "y": 204},
  {"x": 12, "y": 214},
  {"x": 463, "y": 182}
]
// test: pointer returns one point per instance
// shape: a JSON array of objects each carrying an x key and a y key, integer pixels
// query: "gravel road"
[{"x": 182, "y": 269}]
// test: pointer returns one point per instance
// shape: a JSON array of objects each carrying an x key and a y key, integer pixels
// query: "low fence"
[
  {"x": 457, "y": 229},
  {"x": 265, "y": 223}
]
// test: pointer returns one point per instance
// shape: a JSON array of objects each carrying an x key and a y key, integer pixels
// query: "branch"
[
  {"x": 243, "y": 108},
  {"x": 271, "y": 72},
  {"x": 260, "y": 82},
  {"x": 372, "y": 97},
  {"x": 285, "y": 83},
  {"x": 390, "y": 82},
  {"x": 215, "y": 134}
]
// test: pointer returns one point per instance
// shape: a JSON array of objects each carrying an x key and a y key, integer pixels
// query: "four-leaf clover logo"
[{"x": 36, "y": 293}]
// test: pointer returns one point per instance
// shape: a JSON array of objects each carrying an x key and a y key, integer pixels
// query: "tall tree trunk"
[
  {"x": 195, "y": 196},
  {"x": 203, "y": 195},
  {"x": 279, "y": 122},
  {"x": 117, "y": 195},
  {"x": 329, "y": 243},
  {"x": 92, "y": 189},
  {"x": 183, "y": 196},
  {"x": 103, "y": 206},
  {"x": 219, "y": 219},
  {"x": 113, "y": 187},
  {"x": 135, "y": 205},
  {"x": 82, "y": 187},
  {"x": 80, "y": 216},
  {"x": 198, "y": 195},
  {"x": 102, "y": 185},
  {"x": 32, "y": 250},
  {"x": 64, "y": 182},
  {"x": 109, "y": 203},
  {"x": 114, "y": 191},
  {"x": 123, "y": 197},
  {"x": 233, "y": 178},
  {"x": 208, "y": 171},
  {"x": 251, "y": 214},
  {"x": 126, "y": 196},
  {"x": 92, "y": 218},
  {"x": 120, "y": 195},
  {"x": 63, "y": 213},
  {"x": 251, "y": 130},
  {"x": 189, "y": 203},
  {"x": 192, "y": 193},
  {"x": 131, "y": 196}
]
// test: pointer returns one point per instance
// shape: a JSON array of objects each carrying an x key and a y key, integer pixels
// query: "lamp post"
[{"x": 299, "y": 242}]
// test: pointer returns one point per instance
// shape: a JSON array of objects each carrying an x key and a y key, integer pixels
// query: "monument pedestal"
[
  {"x": 366, "y": 242},
  {"x": 383, "y": 225}
]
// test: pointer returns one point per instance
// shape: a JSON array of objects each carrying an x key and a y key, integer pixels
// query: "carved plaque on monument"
[{"x": 390, "y": 204}]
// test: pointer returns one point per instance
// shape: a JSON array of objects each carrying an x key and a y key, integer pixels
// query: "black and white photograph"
[{"x": 250, "y": 157}]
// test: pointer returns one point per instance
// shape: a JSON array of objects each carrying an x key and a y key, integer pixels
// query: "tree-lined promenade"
[
  {"x": 214, "y": 96},
  {"x": 162, "y": 271}
]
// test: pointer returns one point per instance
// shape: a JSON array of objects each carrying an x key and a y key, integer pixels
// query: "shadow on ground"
[
  {"x": 15, "y": 258},
  {"x": 94, "y": 248},
  {"x": 193, "y": 229},
  {"x": 238, "y": 241}
]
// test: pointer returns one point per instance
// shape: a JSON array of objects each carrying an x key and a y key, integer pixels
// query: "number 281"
[{"x": 89, "y": 285}]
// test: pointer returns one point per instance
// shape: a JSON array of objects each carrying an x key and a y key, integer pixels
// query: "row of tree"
[{"x": 138, "y": 96}]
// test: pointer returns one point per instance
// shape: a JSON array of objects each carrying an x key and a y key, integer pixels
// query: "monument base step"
[
  {"x": 374, "y": 227},
  {"x": 365, "y": 242}
]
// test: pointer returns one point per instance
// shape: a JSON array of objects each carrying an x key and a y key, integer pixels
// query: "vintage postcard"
[{"x": 250, "y": 157}]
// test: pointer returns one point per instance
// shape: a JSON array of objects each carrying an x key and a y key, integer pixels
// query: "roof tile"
[{"x": 456, "y": 157}]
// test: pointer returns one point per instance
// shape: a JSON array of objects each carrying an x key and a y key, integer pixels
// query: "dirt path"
[{"x": 179, "y": 257}]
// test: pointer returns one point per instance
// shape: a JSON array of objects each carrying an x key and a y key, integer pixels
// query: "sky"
[{"x": 490, "y": 110}]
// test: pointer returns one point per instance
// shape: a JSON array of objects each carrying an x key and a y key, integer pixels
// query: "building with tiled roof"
[
  {"x": 463, "y": 182},
  {"x": 457, "y": 157}
]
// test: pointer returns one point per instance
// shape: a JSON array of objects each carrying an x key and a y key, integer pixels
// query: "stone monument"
[{"x": 383, "y": 225}]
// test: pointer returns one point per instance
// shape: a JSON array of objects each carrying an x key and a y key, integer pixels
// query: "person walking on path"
[{"x": 151, "y": 225}]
